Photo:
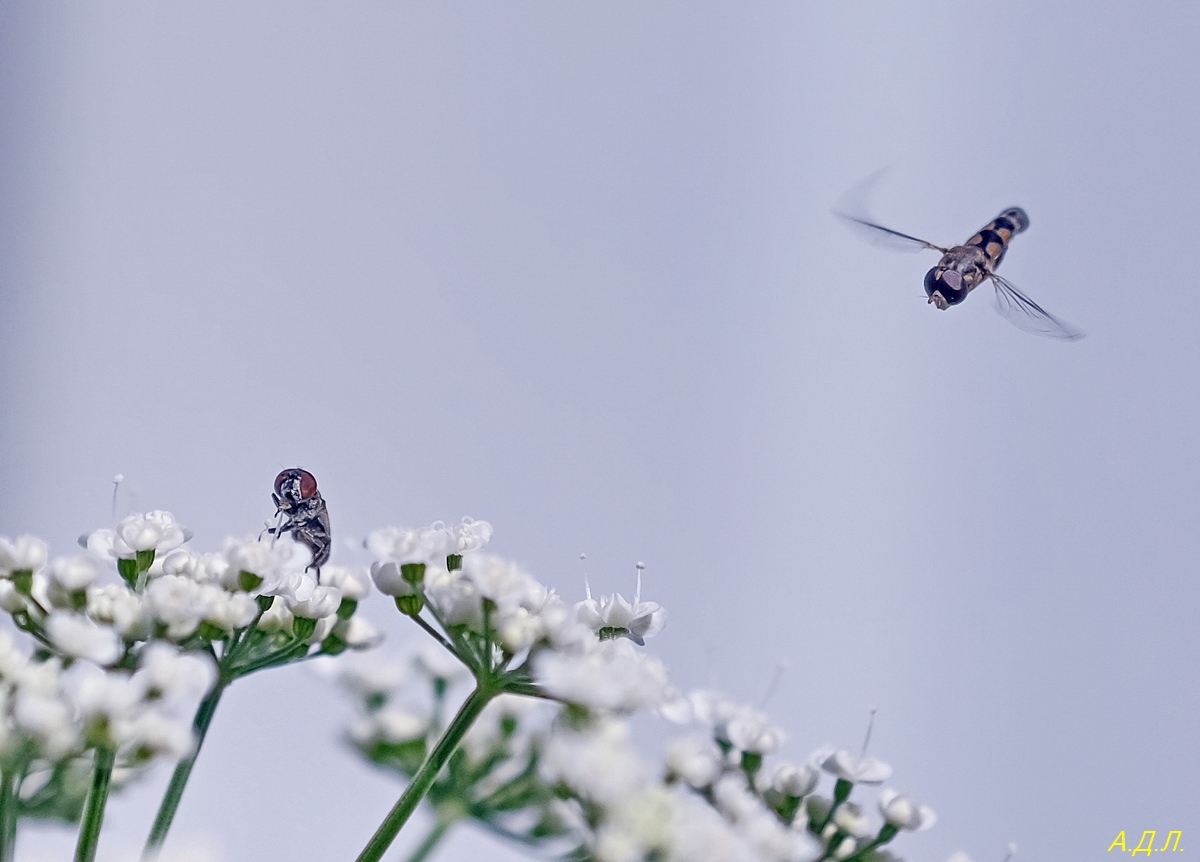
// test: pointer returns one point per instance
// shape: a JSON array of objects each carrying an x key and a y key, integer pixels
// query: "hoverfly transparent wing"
[
  {"x": 853, "y": 208},
  {"x": 1023, "y": 313},
  {"x": 881, "y": 235}
]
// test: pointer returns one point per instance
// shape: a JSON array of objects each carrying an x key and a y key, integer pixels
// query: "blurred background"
[{"x": 572, "y": 268}]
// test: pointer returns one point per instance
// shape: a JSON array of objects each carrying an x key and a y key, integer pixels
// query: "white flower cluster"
[
  {"x": 50, "y": 712},
  {"x": 122, "y": 662}
]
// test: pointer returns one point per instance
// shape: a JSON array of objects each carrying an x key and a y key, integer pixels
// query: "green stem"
[
  {"x": 9, "y": 784},
  {"x": 435, "y": 836},
  {"x": 421, "y": 782},
  {"x": 170, "y": 802},
  {"x": 93, "y": 812}
]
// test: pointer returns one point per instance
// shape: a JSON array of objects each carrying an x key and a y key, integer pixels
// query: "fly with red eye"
[{"x": 304, "y": 515}]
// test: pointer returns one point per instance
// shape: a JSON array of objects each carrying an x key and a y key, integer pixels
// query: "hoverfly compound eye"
[
  {"x": 947, "y": 284},
  {"x": 308, "y": 484}
]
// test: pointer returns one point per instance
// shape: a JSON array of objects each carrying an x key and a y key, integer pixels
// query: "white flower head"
[
  {"x": 791, "y": 780},
  {"x": 354, "y": 583},
  {"x": 599, "y": 763},
  {"x": 614, "y": 675},
  {"x": 77, "y": 636},
  {"x": 636, "y": 620},
  {"x": 357, "y": 633},
  {"x": 47, "y": 718},
  {"x": 71, "y": 574},
  {"x": 180, "y": 603},
  {"x": 120, "y": 607},
  {"x": 429, "y": 545},
  {"x": 156, "y": 531},
  {"x": 696, "y": 760},
  {"x": 167, "y": 674},
  {"x": 472, "y": 535},
  {"x": 24, "y": 553},
  {"x": 855, "y": 768},
  {"x": 850, "y": 818},
  {"x": 504, "y": 583},
  {"x": 454, "y": 596},
  {"x": 202, "y": 568},
  {"x": 152, "y": 733},
  {"x": 389, "y": 579},
  {"x": 905, "y": 812},
  {"x": 323, "y": 601},
  {"x": 269, "y": 567}
]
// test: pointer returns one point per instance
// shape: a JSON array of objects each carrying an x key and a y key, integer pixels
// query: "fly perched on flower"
[
  {"x": 964, "y": 267},
  {"x": 302, "y": 508}
]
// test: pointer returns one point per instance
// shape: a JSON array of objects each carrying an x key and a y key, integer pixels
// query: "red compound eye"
[{"x": 308, "y": 482}]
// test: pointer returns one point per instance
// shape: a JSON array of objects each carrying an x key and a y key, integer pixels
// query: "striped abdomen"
[{"x": 993, "y": 238}]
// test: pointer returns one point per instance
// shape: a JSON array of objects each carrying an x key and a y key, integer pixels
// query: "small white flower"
[
  {"x": 231, "y": 611},
  {"x": 71, "y": 574},
  {"x": 322, "y": 602},
  {"x": 165, "y": 673},
  {"x": 390, "y": 580},
  {"x": 636, "y": 620},
  {"x": 850, "y": 819},
  {"x": 791, "y": 780},
  {"x": 77, "y": 636},
  {"x": 94, "y": 692},
  {"x": 504, "y": 582},
  {"x": 353, "y": 583},
  {"x": 357, "y": 633},
  {"x": 156, "y": 531},
  {"x": 24, "y": 553},
  {"x": 471, "y": 535},
  {"x": 203, "y": 568},
  {"x": 153, "y": 734},
  {"x": 269, "y": 568},
  {"x": 368, "y": 676},
  {"x": 904, "y": 812},
  {"x": 180, "y": 603},
  {"x": 696, "y": 760},
  {"x": 751, "y": 731},
  {"x": 429, "y": 545},
  {"x": 11, "y": 600},
  {"x": 454, "y": 597},
  {"x": 598, "y": 763},
  {"x": 390, "y": 724},
  {"x": 612, "y": 676},
  {"x": 857, "y": 769},
  {"x": 47, "y": 719},
  {"x": 120, "y": 607}
]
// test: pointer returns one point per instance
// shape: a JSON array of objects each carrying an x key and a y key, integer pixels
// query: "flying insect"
[{"x": 964, "y": 267}]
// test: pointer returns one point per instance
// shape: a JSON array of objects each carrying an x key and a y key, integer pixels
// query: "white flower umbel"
[
  {"x": 851, "y": 767},
  {"x": 168, "y": 674},
  {"x": 599, "y": 762},
  {"x": 122, "y": 608},
  {"x": 354, "y": 584},
  {"x": 696, "y": 760},
  {"x": 428, "y": 545},
  {"x": 268, "y": 567},
  {"x": 156, "y": 531}
]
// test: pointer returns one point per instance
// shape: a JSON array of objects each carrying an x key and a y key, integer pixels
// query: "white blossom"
[
  {"x": 168, "y": 674},
  {"x": 636, "y": 620},
  {"x": 323, "y": 601},
  {"x": 905, "y": 812},
  {"x": 71, "y": 574},
  {"x": 696, "y": 760},
  {"x": 277, "y": 566},
  {"x": 156, "y": 531},
  {"x": 354, "y": 583},
  {"x": 77, "y": 636},
  {"x": 203, "y": 568},
  {"x": 428, "y": 545},
  {"x": 390, "y": 724},
  {"x": 152, "y": 733},
  {"x": 390, "y": 580},
  {"x": 472, "y": 535},
  {"x": 24, "y": 553},
  {"x": 357, "y": 633},
  {"x": 47, "y": 719},
  {"x": 855, "y": 768},
  {"x": 11, "y": 600},
  {"x": 180, "y": 603},
  {"x": 612, "y": 676},
  {"x": 599, "y": 763},
  {"x": 791, "y": 780},
  {"x": 850, "y": 818},
  {"x": 453, "y": 596},
  {"x": 120, "y": 607},
  {"x": 231, "y": 611}
]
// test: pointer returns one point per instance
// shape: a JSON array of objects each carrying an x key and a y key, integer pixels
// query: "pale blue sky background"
[{"x": 571, "y": 267}]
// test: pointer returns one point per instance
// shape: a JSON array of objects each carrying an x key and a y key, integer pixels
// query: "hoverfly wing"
[
  {"x": 885, "y": 236},
  {"x": 1025, "y": 314}
]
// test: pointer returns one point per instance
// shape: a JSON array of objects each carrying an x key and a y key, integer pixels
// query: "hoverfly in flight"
[
  {"x": 302, "y": 508},
  {"x": 964, "y": 267}
]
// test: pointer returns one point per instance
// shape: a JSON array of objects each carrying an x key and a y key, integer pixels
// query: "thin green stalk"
[
  {"x": 421, "y": 782},
  {"x": 9, "y": 783},
  {"x": 170, "y": 801},
  {"x": 431, "y": 841},
  {"x": 93, "y": 811}
]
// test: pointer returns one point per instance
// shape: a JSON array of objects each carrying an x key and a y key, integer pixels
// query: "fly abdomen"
[{"x": 993, "y": 238}]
